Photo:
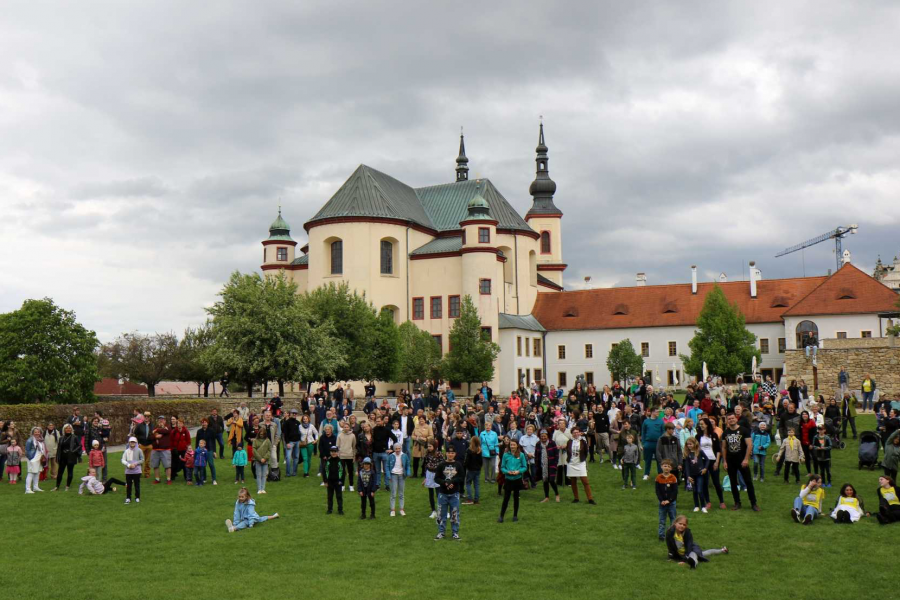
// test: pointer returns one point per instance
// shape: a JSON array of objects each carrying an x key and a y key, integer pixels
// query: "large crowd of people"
[{"x": 538, "y": 437}]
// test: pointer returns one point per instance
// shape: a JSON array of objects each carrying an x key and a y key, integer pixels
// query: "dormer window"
[
  {"x": 620, "y": 309},
  {"x": 780, "y": 302},
  {"x": 571, "y": 312},
  {"x": 670, "y": 307},
  {"x": 846, "y": 294}
]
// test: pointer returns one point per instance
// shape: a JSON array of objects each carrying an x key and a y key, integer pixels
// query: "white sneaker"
[
  {"x": 37, "y": 489},
  {"x": 127, "y": 500},
  {"x": 433, "y": 515},
  {"x": 640, "y": 467},
  {"x": 696, "y": 509},
  {"x": 28, "y": 492},
  {"x": 138, "y": 500},
  {"x": 322, "y": 484},
  {"x": 215, "y": 482},
  {"x": 402, "y": 513},
  {"x": 261, "y": 492},
  {"x": 229, "y": 525},
  {"x": 351, "y": 489},
  {"x": 646, "y": 477},
  {"x": 343, "y": 488},
  {"x": 703, "y": 510},
  {"x": 393, "y": 514}
]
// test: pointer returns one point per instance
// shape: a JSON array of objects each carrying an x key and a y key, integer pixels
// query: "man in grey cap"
[{"x": 290, "y": 432}]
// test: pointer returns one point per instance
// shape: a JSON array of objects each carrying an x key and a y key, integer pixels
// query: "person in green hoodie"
[
  {"x": 514, "y": 465},
  {"x": 651, "y": 431}
]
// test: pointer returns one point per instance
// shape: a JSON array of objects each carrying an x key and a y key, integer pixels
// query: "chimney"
[
  {"x": 693, "y": 279},
  {"x": 723, "y": 278},
  {"x": 754, "y": 275},
  {"x": 641, "y": 279}
]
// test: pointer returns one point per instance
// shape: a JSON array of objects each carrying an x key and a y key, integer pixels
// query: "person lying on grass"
[
  {"x": 681, "y": 546},
  {"x": 97, "y": 487},
  {"x": 245, "y": 513}
]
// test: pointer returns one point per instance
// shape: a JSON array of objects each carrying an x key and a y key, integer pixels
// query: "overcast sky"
[{"x": 144, "y": 147}]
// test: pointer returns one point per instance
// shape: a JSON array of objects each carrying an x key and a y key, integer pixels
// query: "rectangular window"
[
  {"x": 453, "y": 306},
  {"x": 282, "y": 254},
  {"x": 521, "y": 377},
  {"x": 538, "y": 375},
  {"x": 645, "y": 349},
  {"x": 589, "y": 351},
  {"x": 764, "y": 345},
  {"x": 561, "y": 352},
  {"x": 561, "y": 379},
  {"x": 437, "y": 307},
  {"x": 589, "y": 377},
  {"x": 484, "y": 287},
  {"x": 673, "y": 349},
  {"x": 519, "y": 345},
  {"x": 486, "y": 334},
  {"x": 782, "y": 345},
  {"x": 440, "y": 342},
  {"x": 865, "y": 334},
  {"x": 537, "y": 347},
  {"x": 484, "y": 235},
  {"x": 527, "y": 346},
  {"x": 337, "y": 257},
  {"x": 670, "y": 377},
  {"x": 264, "y": 253},
  {"x": 418, "y": 308},
  {"x": 614, "y": 345},
  {"x": 841, "y": 335},
  {"x": 387, "y": 257},
  {"x": 527, "y": 376}
]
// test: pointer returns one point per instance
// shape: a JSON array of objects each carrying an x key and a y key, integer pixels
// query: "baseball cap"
[
  {"x": 367, "y": 461},
  {"x": 334, "y": 448},
  {"x": 132, "y": 439}
]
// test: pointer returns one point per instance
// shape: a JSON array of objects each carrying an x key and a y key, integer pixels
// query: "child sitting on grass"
[
  {"x": 681, "y": 546},
  {"x": 95, "y": 486},
  {"x": 239, "y": 460},
  {"x": 245, "y": 513},
  {"x": 808, "y": 504},
  {"x": 849, "y": 507},
  {"x": 667, "y": 493}
]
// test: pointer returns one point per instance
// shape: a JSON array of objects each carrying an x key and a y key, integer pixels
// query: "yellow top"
[
  {"x": 867, "y": 385},
  {"x": 889, "y": 494},
  {"x": 679, "y": 542},
  {"x": 813, "y": 497}
]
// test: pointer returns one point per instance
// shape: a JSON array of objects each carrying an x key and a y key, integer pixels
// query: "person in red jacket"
[
  {"x": 807, "y": 432},
  {"x": 162, "y": 451},
  {"x": 181, "y": 441}
]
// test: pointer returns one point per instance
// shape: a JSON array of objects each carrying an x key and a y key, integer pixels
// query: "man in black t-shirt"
[{"x": 736, "y": 448}]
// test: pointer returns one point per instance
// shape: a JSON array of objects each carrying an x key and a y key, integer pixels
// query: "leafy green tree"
[
  {"x": 262, "y": 331},
  {"x": 353, "y": 318},
  {"x": 471, "y": 357},
  {"x": 146, "y": 359},
  {"x": 46, "y": 355},
  {"x": 189, "y": 364},
  {"x": 623, "y": 361},
  {"x": 419, "y": 354},
  {"x": 721, "y": 340},
  {"x": 386, "y": 347}
]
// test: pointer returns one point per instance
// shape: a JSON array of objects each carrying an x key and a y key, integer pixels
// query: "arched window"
[
  {"x": 532, "y": 268},
  {"x": 387, "y": 257},
  {"x": 337, "y": 257},
  {"x": 807, "y": 334},
  {"x": 545, "y": 242}
]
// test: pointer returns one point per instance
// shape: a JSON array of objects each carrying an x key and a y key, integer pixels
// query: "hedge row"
[{"x": 119, "y": 413}]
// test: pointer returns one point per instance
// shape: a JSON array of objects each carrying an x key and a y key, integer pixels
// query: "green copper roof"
[
  {"x": 279, "y": 223},
  {"x": 439, "y": 245},
  {"x": 280, "y": 230},
  {"x": 371, "y": 193},
  {"x": 526, "y": 322},
  {"x": 301, "y": 260}
]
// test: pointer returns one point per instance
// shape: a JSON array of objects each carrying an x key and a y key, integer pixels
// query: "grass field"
[{"x": 174, "y": 544}]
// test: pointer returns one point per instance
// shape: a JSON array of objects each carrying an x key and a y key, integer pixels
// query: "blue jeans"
[
  {"x": 381, "y": 459},
  {"x": 249, "y": 522},
  {"x": 262, "y": 471},
  {"x": 291, "y": 458},
  {"x": 200, "y": 475},
  {"x": 472, "y": 478},
  {"x": 650, "y": 456},
  {"x": 211, "y": 461},
  {"x": 221, "y": 447},
  {"x": 448, "y": 506},
  {"x": 665, "y": 511},
  {"x": 867, "y": 400},
  {"x": 804, "y": 509},
  {"x": 759, "y": 462}
]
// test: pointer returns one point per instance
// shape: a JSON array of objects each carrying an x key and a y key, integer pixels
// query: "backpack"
[{"x": 274, "y": 474}]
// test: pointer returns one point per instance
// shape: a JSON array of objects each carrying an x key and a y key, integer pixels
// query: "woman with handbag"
[{"x": 67, "y": 455}]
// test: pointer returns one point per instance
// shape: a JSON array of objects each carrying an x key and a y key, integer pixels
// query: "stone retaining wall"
[{"x": 873, "y": 356}]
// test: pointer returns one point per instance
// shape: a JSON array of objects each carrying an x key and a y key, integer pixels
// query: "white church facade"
[{"x": 418, "y": 251}]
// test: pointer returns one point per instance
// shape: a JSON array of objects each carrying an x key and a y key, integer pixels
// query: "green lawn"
[{"x": 175, "y": 543}]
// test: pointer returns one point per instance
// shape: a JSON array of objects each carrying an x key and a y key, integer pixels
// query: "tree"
[
  {"x": 147, "y": 359},
  {"x": 386, "y": 347},
  {"x": 419, "y": 354},
  {"x": 46, "y": 355},
  {"x": 622, "y": 361},
  {"x": 721, "y": 339},
  {"x": 353, "y": 319},
  {"x": 263, "y": 331},
  {"x": 894, "y": 329},
  {"x": 189, "y": 362},
  {"x": 471, "y": 357}
]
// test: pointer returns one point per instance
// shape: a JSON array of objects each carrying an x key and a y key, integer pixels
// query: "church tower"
[
  {"x": 462, "y": 161},
  {"x": 279, "y": 248},
  {"x": 544, "y": 217}
]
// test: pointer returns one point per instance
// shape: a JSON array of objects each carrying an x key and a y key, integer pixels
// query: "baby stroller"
[
  {"x": 833, "y": 429},
  {"x": 869, "y": 443}
]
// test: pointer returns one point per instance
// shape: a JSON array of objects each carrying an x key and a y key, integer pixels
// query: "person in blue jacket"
[
  {"x": 651, "y": 430},
  {"x": 490, "y": 447},
  {"x": 761, "y": 441},
  {"x": 245, "y": 513},
  {"x": 399, "y": 470}
]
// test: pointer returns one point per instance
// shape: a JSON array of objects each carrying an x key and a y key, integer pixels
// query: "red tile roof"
[
  {"x": 109, "y": 386},
  {"x": 847, "y": 292},
  {"x": 666, "y": 305}
]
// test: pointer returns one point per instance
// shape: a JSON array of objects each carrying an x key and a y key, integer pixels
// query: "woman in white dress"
[
  {"x": 849, "y": 507},
  {"x": 576, "y": 467},
  {"x": 36, "y": 452}
]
